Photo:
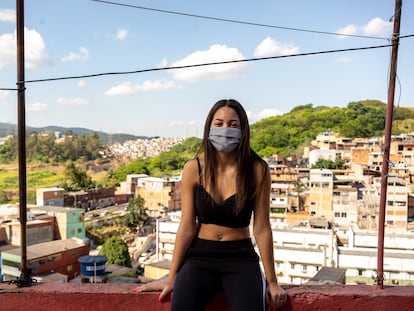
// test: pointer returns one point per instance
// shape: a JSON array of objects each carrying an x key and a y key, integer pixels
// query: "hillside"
[
  {"x": 289, "y": 133},
  {"x": 105, "y": 138}
]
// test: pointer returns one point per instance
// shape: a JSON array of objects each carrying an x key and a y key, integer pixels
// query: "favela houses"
[{"x": 87, "y": 216}]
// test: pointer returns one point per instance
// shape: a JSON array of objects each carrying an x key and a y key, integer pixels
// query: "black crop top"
[{"x": 209, "y": 212}]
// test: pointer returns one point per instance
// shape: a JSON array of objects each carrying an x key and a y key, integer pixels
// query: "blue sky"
[{"x": 82, "y": 37}]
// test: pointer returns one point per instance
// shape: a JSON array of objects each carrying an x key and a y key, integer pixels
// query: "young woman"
[{"x": 222, "y": 188}]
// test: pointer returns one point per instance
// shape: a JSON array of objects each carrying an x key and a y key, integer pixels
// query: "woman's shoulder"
[
  {"x": 259, "y": 163},
  {"x": 193, "y": 164},
  {"x": 192, "y": 169},
  {"x": 261, "y": 168}
]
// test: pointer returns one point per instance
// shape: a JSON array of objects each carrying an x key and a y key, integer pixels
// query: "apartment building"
[
  {"x": 397, "y": 203},
  {"x": 50, "y": 261},
  {"x": 160, "y": 195},
  {"x": 405, "y": 149},
  {"x": 301, "y": 252},
  {"x": 321, "y": 185},
  {"x": 69, "y": 222},
  {"x": 345, "y": 205},
  {"x": 37, "y": 231},
  {"x": 50, "y": 196}
]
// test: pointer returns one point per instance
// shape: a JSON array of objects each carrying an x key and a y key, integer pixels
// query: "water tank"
[{"x": 92, "y": 265}]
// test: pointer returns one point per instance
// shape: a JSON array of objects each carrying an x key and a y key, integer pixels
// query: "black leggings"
[{"x": 231, "y": 267}]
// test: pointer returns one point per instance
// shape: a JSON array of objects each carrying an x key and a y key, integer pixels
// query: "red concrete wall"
[{"x": 111, "y": 296}]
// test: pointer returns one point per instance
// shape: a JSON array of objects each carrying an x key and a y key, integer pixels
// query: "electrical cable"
[
  {"x": 204, "y": 64},
  {"x": 236, "y": 21}
]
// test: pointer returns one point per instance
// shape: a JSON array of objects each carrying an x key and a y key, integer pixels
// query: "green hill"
[
  {"x": 105, "y": 138},
  {"x": 287, "y": 134}
]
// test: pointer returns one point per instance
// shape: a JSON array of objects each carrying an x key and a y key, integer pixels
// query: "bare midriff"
[{"x": 220, "y": 233}]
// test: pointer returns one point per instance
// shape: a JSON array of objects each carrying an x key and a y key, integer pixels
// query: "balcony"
[{"x": 108, "y": 296}]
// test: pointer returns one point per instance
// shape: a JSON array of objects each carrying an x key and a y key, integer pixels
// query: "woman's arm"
[
  {"x": 186, "y": 230},
  {"x": 264, "y": 239},
  {"x": 261, "y": 225}
]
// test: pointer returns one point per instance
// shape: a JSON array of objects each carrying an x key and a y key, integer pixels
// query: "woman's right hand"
[
  {"x": 166, "y": 291},
  {"x": 163, "y": 285}
]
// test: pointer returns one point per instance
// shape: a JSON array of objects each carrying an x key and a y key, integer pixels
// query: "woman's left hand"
[{"x": 276, "y": 296}]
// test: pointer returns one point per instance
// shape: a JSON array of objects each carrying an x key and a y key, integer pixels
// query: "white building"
[{"x": 301, "y": 252}]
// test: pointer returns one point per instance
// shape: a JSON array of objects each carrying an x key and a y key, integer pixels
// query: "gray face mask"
[{"x": 224, "y": 139}]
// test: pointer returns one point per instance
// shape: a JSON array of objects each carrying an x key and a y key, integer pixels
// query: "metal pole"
[
  {"x": 387, "y": 141},
  {"x": 25, "y": 279}
]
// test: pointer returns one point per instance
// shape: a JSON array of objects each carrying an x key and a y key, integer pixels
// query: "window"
[{"x": 69, "y": 268}]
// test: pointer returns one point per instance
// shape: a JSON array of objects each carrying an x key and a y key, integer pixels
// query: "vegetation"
[
  {"x": 329, "y": 164},
  {"x": 287, "y": 134},
  {"x": 168, "y": 163},
  {"x": 45, "y": 149},
  {"x": 116, "y": 250},
  {"x": 76, "y": 178},
  {"x": 136, "y": 215},
  {"x": 108, "y": 139}
]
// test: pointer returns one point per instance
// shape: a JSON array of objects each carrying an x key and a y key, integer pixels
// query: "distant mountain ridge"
[{"x": 105, "y": 138}]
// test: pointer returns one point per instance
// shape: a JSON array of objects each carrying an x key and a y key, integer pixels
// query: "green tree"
[
  {"x": 8, "y": 150},
  {"x": 116, "y": 250},
  {"x": 329, "y": 164},
  {"x": 76, "y": 178},
  {"x": 3, "y": 197},
  {"x": 136, "y": 215}
]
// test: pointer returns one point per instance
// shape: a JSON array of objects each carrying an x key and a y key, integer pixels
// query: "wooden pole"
[
  {"x": 387, "y": 142},
  {"x": 25, "y": 279}
]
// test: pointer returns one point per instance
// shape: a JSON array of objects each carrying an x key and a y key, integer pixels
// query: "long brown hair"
[{"x": 245, "y": 156}]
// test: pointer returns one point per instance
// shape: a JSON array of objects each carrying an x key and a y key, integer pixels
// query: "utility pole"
[
  {"x": 25, "y": 279},
  {"x": 387, "y": 142}
]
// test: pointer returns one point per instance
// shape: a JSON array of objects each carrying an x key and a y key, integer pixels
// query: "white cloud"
[
  {"x": 347, "y": 30},
  {"x": 35, "y": 51},
  {"x": 375, "y": 27},
  {"x": 72, "y": 101},
  {"x": 378, "y": 27},
  {"x": 128, "y": 88},
  {"x": 121, "y": 34},
  {"x": 7, "y": 15},
  {"x": 81, "y": 83},
  {"x": 216, "y": 53},
  {"x": 270, "y": 47},
  {"x": 4, "y": 93},
  {"x": 265, "y": 113},
  {"x": 37, "y": 107},
  {"x": 7, "y": 50},
  {"x": 82, "y": 55}
]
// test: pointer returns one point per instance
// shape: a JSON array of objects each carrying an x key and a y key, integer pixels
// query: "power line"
[
  {"x": 204, "y": 64},
  {"x": 237, "y": 21}
]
